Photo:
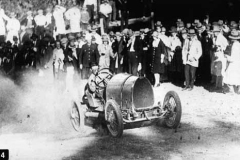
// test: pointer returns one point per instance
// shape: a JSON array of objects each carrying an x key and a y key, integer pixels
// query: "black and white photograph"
[{"x": 119, "y": 79}]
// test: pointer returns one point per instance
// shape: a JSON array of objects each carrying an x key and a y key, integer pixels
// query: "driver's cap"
[{"x": 93, "y": 65}]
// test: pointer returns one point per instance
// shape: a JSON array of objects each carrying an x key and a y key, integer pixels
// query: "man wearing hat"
[
  {"x": 71, "y": 62},
  {"x": 180, "y": 26},
  {"x": 145, "y": 40},
  {"x": 135, "y": 50},
  {"x": 218, "y": 62},
  {"x": 89, "y": 54},
  {"x": 41, "y": 22},
  {"x": 200, "y": 31},
  {"x": 203, "y": 71},
  {"x": 174, "y": 56},
  {"x": 232, "y": 75},
  {"x": 192, "y": 51},
  {"x": 121, "y": 48}
]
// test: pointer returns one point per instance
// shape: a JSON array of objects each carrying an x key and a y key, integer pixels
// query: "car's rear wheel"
[
  {"x": 75, "y": 116},
  {"x": 113, "y": 116},
  {"x": 173, "y": 104}
]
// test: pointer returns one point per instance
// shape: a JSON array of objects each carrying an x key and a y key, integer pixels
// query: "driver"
[{"x": 92, "y": 78}]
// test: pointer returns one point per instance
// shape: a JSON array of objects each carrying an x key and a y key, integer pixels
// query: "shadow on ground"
[{"x": 160, "y": 143}]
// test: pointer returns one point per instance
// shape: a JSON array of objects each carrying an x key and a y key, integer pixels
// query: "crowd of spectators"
[{"x": 70, "y": 39}]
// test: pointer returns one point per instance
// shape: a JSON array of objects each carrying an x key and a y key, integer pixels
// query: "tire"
[
  {"x": 75, "y": 117},
  {"x": 113, "y": 117},
  {"x": 172, "y": 120}
]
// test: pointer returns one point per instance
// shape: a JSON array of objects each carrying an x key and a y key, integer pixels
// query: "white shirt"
[
  {"x": 74, "y": 16},
  {"x": 13, "y": 25},
  {"x": 221, "y": 41},
  {"x": 165, "y": 40},
  {"x": 80, "y": 44},
  {"x": 49, "y": 18},
  {"x": 40, "y": 20},
  {"x": 2, "y": 23},
  {"x": 132, "y": 44},
  {"x": 174, "y": 42},
  {"x": 105, "y": 9},
  {"x": 155, "y": 43},
  {"x": 59, "y": 20}
]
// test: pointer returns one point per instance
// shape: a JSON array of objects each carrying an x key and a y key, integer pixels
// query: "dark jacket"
[
  {"x": 70, "y": 59},
  {"x": 138, "y": 47},
  {"x": 88, "y": 55}
]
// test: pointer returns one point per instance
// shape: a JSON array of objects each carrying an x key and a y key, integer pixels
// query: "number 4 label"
[{"x": 4, "y": 154}]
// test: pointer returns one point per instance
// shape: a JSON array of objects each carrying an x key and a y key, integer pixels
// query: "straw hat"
[
  {"x": 64, "y": 40},
  {"x": 196, "y": 21},
  {"x": 184, "y": 31},
  {"x": 199, "y": 26},
  {"x": 191, "y": 32},
  {"x": 234, "y": 35}
]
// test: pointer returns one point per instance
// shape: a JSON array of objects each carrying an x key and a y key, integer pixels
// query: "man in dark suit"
[
  {"x": 121, "y": 51},
  {"x": 89, "y": 54},
  {"x": 135, "y": 47},
  {"x": 204, "y": 70}
]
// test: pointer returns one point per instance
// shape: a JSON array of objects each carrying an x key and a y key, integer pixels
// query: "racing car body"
[{"x": 124, "y": 101}]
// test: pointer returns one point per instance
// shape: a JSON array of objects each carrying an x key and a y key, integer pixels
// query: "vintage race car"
[{"x": 123, "y": 101}]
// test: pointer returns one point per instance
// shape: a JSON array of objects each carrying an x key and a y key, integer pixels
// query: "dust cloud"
[{"x": 30, "y": 103}]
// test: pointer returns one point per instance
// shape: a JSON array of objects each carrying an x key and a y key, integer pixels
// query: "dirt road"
[{"x": 35, "y": 125}]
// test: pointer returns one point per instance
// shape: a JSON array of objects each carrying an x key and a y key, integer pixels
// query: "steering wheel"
[{"x": 102, "y": 77}]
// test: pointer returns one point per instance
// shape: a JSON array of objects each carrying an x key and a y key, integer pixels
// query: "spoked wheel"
[
  {"x": 75, "y": 117},
  {"x": 173, "y": 104},
  {"x": 113, "y": 116}
]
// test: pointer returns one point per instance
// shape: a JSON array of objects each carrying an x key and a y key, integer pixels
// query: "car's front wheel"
[
  {"x": 172, "y": 103},
  {"x": 113, "y": 117}
]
